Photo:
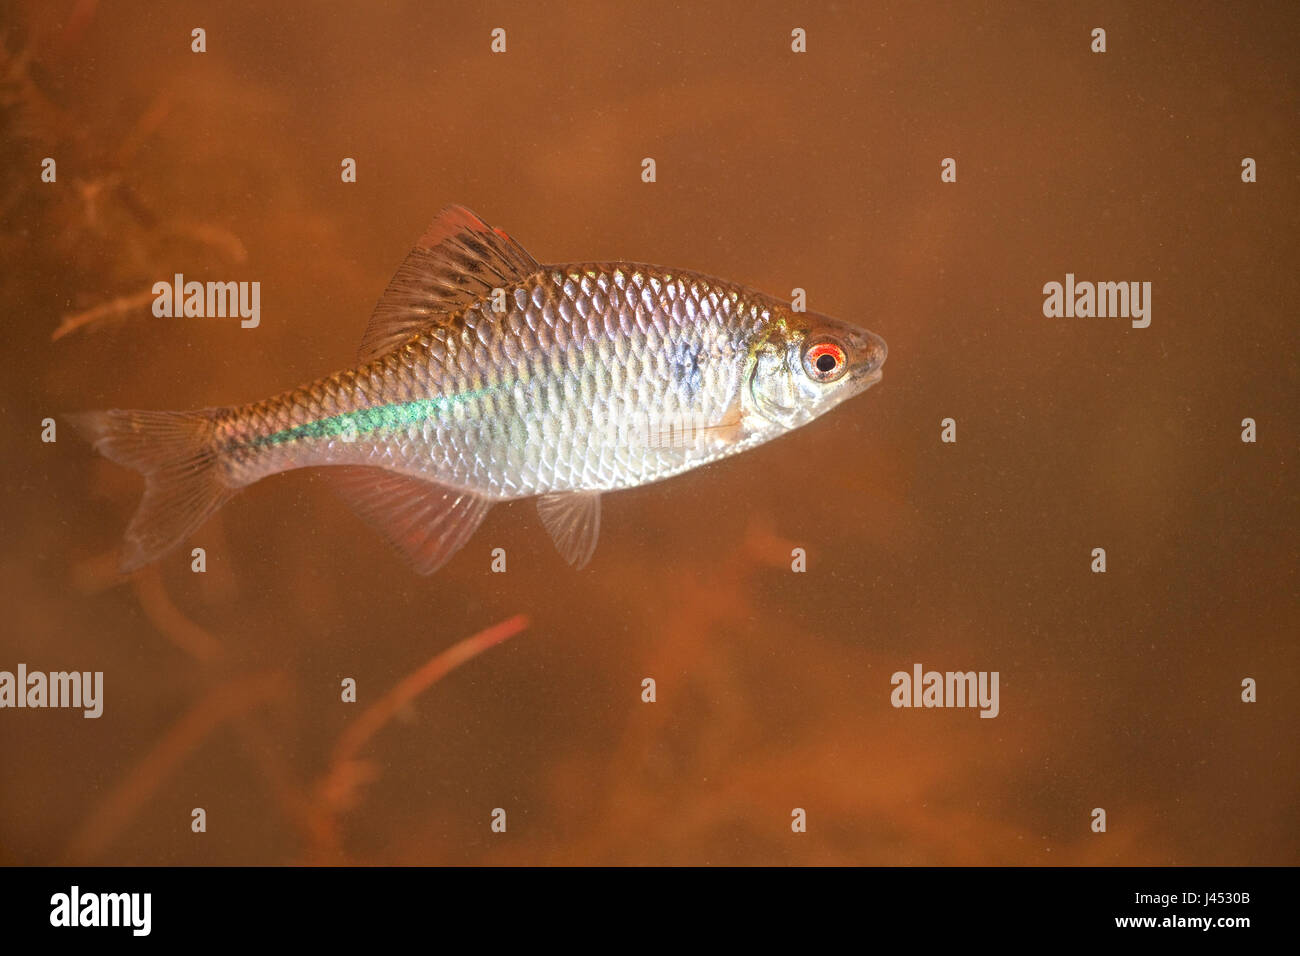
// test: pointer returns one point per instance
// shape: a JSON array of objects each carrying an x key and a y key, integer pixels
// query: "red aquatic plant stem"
[{"x": 416, "y": 683}]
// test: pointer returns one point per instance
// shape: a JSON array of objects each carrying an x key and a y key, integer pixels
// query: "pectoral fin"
[
  {"x": 573, "y": 519},
  {"x": 427, "y": 522}
]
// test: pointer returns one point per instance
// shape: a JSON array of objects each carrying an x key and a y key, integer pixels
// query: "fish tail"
[{"x": 179, "y": 455}]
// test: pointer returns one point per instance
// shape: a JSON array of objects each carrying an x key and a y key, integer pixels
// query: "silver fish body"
[{"x": 488, "y": 377}]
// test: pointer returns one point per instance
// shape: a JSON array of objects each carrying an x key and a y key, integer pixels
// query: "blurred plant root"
[
  {"x": 103, "y": 226},
  {"x": 316, "y": 810}
]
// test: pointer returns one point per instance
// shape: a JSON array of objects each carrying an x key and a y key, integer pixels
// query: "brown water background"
[{"x": 1118, "y": 690}]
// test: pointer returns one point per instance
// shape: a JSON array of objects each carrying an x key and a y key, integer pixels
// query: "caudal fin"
[{"x": 177, "y": 454}]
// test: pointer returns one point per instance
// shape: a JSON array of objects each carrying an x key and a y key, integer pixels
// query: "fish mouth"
[{"x": 872, "y": 351}]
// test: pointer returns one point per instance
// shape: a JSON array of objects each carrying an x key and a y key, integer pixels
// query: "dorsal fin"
[{"x": 459, "y": 260}]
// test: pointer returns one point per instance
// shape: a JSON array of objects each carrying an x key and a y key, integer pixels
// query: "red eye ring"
[{"x": 825, "y": 361}]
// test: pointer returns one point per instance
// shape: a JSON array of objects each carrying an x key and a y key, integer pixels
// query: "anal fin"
[
  {"x": 573, "y": 519},
  {"x": 426, "y": 521}
]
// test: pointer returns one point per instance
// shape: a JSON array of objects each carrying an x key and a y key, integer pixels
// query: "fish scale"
[
  {"x": 552, "y": 375},
  {"x": 488, "y": 377}
]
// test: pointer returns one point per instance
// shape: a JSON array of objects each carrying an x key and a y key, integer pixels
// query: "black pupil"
[{"x": 826, "y": 362}]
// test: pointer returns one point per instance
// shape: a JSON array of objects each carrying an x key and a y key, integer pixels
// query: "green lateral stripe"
[{"x": 368, "y": 420}]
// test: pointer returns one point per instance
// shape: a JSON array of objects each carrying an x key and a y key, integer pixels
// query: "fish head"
[{"x": 805, "y": 364}]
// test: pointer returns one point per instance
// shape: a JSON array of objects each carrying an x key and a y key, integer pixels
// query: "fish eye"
[{"x": 825, "y": 361}]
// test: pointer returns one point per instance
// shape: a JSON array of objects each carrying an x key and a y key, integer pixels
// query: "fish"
[{"x": 485, "y": 376}]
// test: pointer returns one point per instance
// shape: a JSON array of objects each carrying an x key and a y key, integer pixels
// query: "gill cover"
[{"x": 772, "y": 382}]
